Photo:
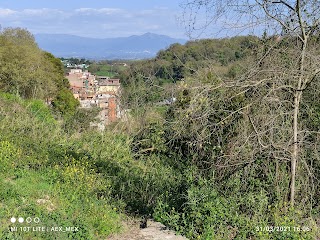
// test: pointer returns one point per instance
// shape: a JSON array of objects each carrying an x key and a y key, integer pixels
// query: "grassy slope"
[
  {"x": 86, "y": 180},
  {"x": 40, "y": 176}
]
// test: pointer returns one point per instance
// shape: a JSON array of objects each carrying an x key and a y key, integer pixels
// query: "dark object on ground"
[{"x": 143, "y": 222}]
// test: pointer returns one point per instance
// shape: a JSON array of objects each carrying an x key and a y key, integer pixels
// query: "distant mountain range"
[{"x": 133, "y": 47}]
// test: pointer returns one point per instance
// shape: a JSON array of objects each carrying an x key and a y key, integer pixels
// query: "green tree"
[
  {"x": 30, "y": 72},
  {"x": 65, "y": 103},
  {"x": 25, "y": 69}
]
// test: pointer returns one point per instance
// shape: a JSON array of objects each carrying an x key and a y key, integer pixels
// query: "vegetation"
[
  {"x": 150, "y": 81},
  {"x": 214, "y": 162},
  {"x": 230, "y": 135},
  {"x": 46, "y": 175},
  {"x": 107, "y": 68},
  {"x": 76, "y": 61}
]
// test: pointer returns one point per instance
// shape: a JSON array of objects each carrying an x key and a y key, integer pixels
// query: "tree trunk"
[
  {"x": 297, "y": 100},
  {"x": 295, "y": 151}
]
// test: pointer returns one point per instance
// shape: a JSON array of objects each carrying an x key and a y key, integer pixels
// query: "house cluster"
[
  {"x": 96, "y": 91},
  {"x": 69, "y": 64}
]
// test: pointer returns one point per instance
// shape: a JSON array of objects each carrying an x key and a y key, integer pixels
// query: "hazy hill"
[{"x": 133, "y": 47}]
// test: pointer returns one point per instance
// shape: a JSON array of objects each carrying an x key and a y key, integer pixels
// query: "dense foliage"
[
  {"x": 228, "y": 133},
  {"x": 31, "y": 73},
  {"x": 149, "y": 81},
  {"x": 210, "y": 163}
]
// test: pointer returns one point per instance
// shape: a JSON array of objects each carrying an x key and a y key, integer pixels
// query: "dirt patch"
[
  {"x": 153, "y": 231},
  {"x": 47, "y": 202}
]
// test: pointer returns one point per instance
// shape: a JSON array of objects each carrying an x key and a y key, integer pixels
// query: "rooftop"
[{"x": 109, "y": 82}]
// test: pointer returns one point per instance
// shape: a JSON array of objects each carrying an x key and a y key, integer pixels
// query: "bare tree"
[{"x": 284, "y": 77}]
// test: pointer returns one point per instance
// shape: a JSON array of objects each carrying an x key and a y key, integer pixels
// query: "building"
[
  {"x": 108, "y": 103},
  {"x": 83, "y": 84},
  {"x": 92, "y": 91},
  {"x": 108, "y": 85}
]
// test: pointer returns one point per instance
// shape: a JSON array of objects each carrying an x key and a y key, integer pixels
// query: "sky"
[{"x": 95, "y": 18}]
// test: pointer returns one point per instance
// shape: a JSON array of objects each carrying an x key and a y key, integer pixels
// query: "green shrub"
[
  {"x": 41, "y": 111},
  {"x": 9, "y": 156}
]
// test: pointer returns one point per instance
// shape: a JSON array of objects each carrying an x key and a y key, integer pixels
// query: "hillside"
[
  {"x": 204, "y": 147},
  {"x": 39, "y": 166}
]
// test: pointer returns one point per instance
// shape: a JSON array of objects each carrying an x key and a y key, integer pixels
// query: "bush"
[
  {"x": 9, "y": 156},
  {"x": 41, "y": 111}
]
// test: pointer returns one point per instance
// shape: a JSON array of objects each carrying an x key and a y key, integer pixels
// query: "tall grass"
[{"x": 40, "y": 178}]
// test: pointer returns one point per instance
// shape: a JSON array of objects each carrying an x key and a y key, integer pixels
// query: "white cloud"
[
  {"x": 36, "y": 12},
  {"x": 6, "y": 12},
  {"x": 41, "y": 14},
  {"x": 84, "y": 10},
  {"x": 107, "y": 11}
]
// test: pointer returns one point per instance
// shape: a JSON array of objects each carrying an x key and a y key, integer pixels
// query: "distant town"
[{"x": 96, "y": 91}]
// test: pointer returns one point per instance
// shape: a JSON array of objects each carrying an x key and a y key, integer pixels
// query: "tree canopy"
[{"x": 30, "y": 72}]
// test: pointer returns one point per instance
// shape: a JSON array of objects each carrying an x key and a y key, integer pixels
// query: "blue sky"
[{"x": 94, "y": 18}]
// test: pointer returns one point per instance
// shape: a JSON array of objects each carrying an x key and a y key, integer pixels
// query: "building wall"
[
  {"x": 103, "y": 89},
  {"x": 112, "y": 115},
  {"x": 76, "y": 96},
  {"x": 76, "y": 71}
]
